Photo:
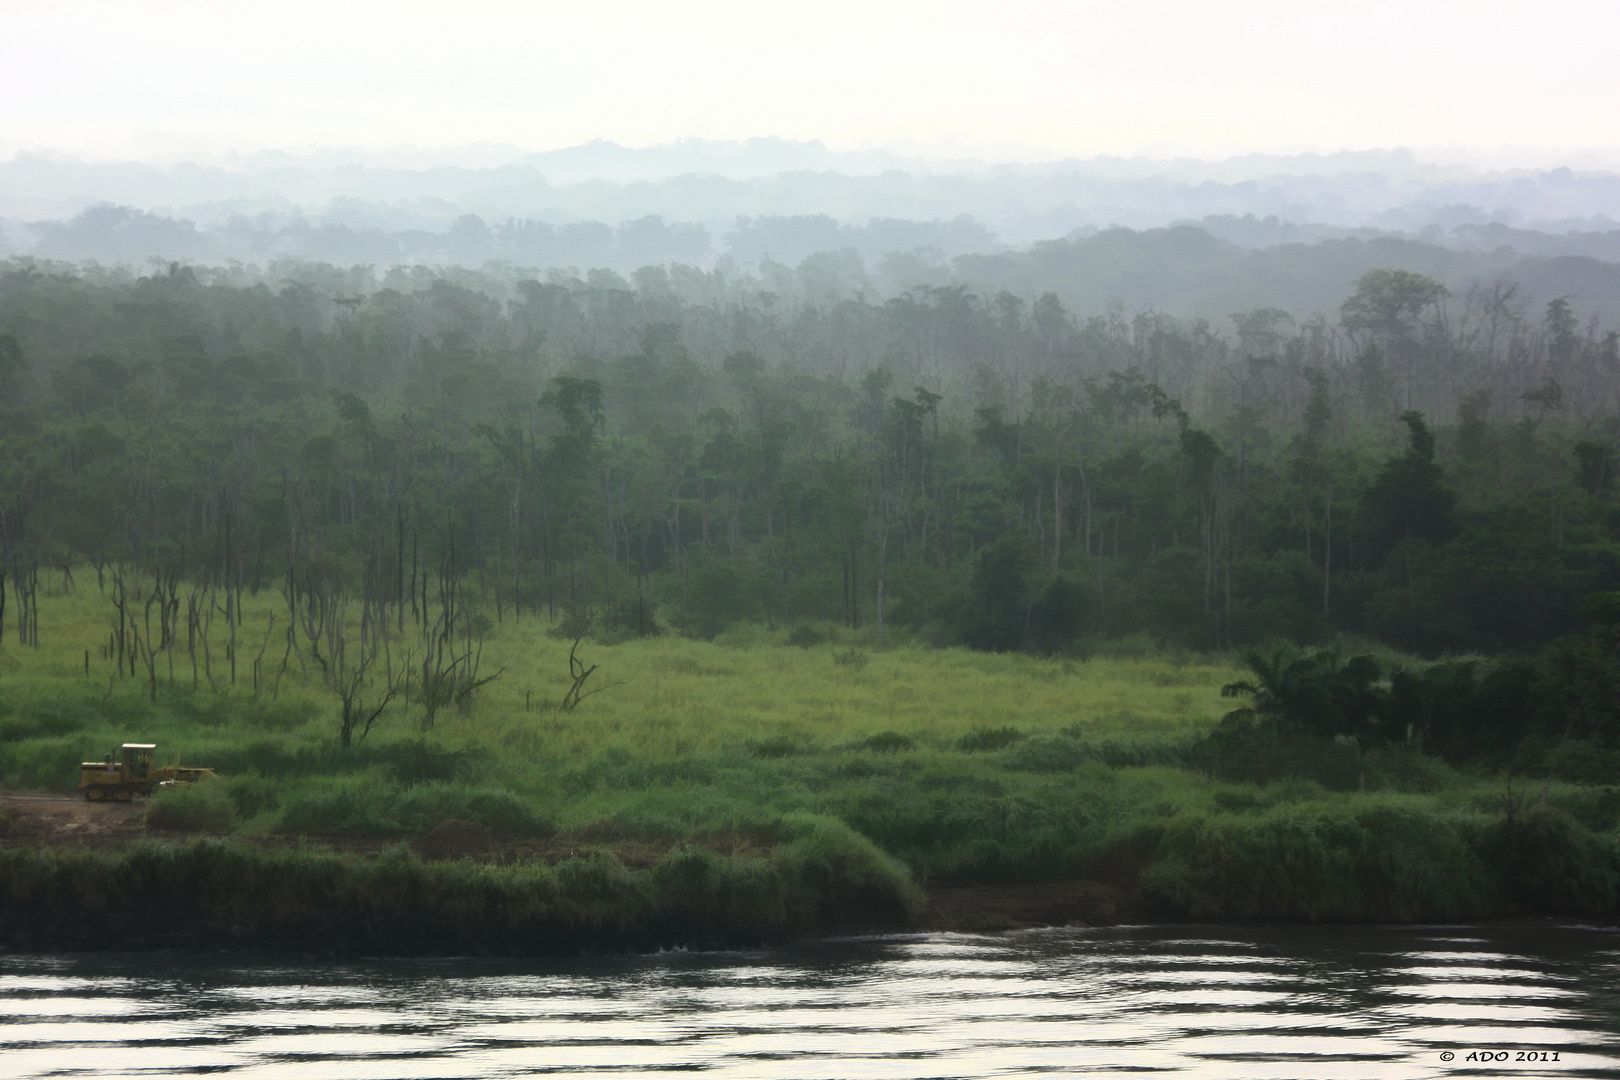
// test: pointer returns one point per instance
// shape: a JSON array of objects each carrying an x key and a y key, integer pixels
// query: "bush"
[
  {"x": 418, "y": 761},
  {"x": 418, "y": 809},
  {"x": 373, "y": 807},
  {"x": 847, "y": 872},
  {"x": 805, "y": 636},
  {"x": 205, "y": 806},
  {"x": 252, "y": 795},
  {"x": 852, "y": 658},
  {"x": 211, "y": 710},
  {"x": 35, "y": 719},
  {"x": 574, "y": 624},
  {"x": 1551, "y": 864},
  {"x": 778, "y": 746},
  {"x": 1238, "y": 752},
  {"x": 982, "y": 739},
  {"x": 1046, "y": 754},
  {"x": 208, "y": 893},
  {"x": 330, "y": 806},
  {"x": 1372, "y": 859},
  {"x": 44, "y": 764},
  {"x": 887, "y": 742},
  {"x": 1598, "y": 808}
]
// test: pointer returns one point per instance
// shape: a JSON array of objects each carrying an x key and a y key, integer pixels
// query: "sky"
[{"x": 1004, "y": 80}]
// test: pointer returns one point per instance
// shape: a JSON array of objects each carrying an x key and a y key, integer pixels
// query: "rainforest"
[{"x": 519, "y": 611}]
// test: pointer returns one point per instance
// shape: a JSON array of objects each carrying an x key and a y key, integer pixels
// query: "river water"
[{"x": 1288, "y": 1003}]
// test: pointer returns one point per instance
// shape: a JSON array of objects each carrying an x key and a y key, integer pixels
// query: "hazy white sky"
[{"x": 1081, "y": 77}]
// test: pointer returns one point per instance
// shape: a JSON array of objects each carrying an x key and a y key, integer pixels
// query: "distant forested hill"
[
  {"x": 1182, "y": 270},
  {"x": 1185, "y": 270}
]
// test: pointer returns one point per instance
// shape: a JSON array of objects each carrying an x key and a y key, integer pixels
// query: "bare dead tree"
[
  {"x": 450, "y": 669},
  {"x": 359, "y": 672},
  {"x": 578, "y": 673}
]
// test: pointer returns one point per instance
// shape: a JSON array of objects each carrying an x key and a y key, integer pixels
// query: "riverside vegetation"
[
  {"x": 680, "y": 591},
  {"x": 751, "y": 787}
]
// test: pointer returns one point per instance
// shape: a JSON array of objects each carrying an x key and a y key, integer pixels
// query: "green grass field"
[{"x": 963, "y": 766}]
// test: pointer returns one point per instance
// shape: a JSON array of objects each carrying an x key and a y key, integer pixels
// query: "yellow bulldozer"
[{"x": 131, "y": 772}]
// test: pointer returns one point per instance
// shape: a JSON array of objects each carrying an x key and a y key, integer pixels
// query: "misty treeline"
[
  {"x": 112, "y": 233},
  {"x": 1430, "y": 467},
  {"x": 1221, "y": 264}
]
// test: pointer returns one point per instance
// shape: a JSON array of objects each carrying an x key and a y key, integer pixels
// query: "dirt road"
[{"x": 66, "y": 819}]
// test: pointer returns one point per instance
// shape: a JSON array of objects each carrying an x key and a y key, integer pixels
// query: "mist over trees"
[{"x": 682, "y": 449}]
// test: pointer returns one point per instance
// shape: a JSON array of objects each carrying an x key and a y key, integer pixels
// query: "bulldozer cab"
[{"x": 137, "y": 761}]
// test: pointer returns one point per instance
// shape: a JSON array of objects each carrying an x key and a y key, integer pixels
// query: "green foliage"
[
  {"x": 659, "y": 477},
  {"x": 376, "y": 807},
  {"x": 843, "y": 866},
  {"x": 1550, "y": 863},
  {"x": 201, "y": 807},
  {"x": 43, "y": 764},
  {"x": 887, "y": 742},
  {"x": 1047, "y": 754},
  {"x": 805, "y": 635},
  {"x": 779, "y": 747},
  {"x": 980, "y": 740},
  {"x": 339, "y": 806},
  {"x": 996, "y": 616},
  {"x": 1374, "y": 859},
  {"x": 1313, "y": 692},
  {"x": 420, "y": 807},
  {"x": 213, "y": 894},
  {"x": 1410, "y": 499},
  {"x": 707, "y": 748}
]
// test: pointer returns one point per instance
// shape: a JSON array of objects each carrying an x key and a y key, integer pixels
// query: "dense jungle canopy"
[{"x": 1430, "y": 467}]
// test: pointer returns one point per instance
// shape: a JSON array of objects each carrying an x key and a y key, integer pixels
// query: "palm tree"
[{"x": 1315, "y": 691}]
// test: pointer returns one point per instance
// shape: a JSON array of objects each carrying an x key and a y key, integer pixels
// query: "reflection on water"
[{"x": 1291, "y": 1004}]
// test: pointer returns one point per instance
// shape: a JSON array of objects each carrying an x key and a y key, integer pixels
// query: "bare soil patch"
[{"x": 52, "y": 820}]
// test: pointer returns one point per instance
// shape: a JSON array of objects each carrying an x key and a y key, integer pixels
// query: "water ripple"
[{"x": 1252, "y": 1004}]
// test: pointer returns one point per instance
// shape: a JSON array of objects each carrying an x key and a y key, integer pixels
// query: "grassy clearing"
[{"x": 940, "y": 765}]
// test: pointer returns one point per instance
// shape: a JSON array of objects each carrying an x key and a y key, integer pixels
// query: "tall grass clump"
[
  {"x": 419, "y": 808},
  {"x": 200, "y": 807},
  {"x": 1377, "y": 858},
  {"x": 845, "y": 869},
  {"x": 213, "y": 893},
  {"x": 340, "y": 805},
  {"x": 1552, "y": 864},
  {"x": 373, "y": 805}
]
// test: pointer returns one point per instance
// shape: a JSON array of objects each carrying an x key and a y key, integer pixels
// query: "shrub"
[
  {"x": 982, "y": 739},
  {"x": 44, "y": 764},
  {"x": 1372, "y": 859},
  {"x": 418, "y": 809},
  {"x": 1551, "y": 864},
  {"x": 1238, "y": 752},
  {"x": 205, "y": 806},
  {"x": 852, "y": 658},
  {"x": 778, "y": 746},
  {"x": 1598, "y": 808},
  {"x": 887, "y": 742},
  {"x": 34, "y": 719},
  {"x": 805, "y": 636},
  {"x": 575, "y": 623},
  {"x": 418, "y": 761},
  {"x": 350, "y": 805},
  {"x": 252, "y": 795},
  {"x": 1046, "y": 754},
  {"x": 211, "y": 710},
  {"x": 847, "y": 872}
]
